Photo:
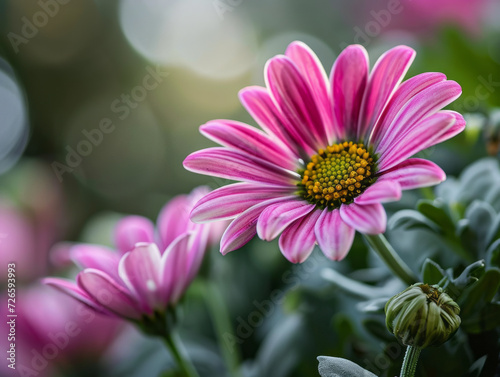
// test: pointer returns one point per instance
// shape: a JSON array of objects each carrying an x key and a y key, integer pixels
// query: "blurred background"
[{"x": 100, "y": 102}]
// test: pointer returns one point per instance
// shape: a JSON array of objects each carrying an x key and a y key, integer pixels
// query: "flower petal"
[
  {"x": 70, "y": 288},
  {"x": 422, "y": 105},
  {"x": 403, "y": 94},
  {"x": 108, "y": 293},
  {"x": 243, "y": 228},
  {"x": 368, "y": 219},
  {"x": 247, "y": 139},
  {"x": 414, "y": 173},
  {"x": 385, "y": 77},
  {"x": 276, "y": 217},
  {"x": 313, "y": 72},
  {"x": 259, "y": 104},
  {"x": 131, "y": 230},
  {"x": 229, "y": 201},
  {"x": 426, "y": 133},
  {"x": 295, "y": 100},
  {"x": 334, "y": 236},
  {"x": 139, "y": 270},
  {"x": 174, "y": 266},
  {"x": 381, "y": 191},
  {"x": 298, "y": 240},
  {"x": 224, "y": 163},
  {"x": 348, "y": 80},
  {"x": 173, "y": 220},
  {"x": 96, "y": 256}
]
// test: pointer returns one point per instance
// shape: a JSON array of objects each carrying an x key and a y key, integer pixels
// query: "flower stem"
[
  {"x": 222, "y": 323},
  {"x": 410, "y": 361},
  {"x": 174, "y": 344},
  {"x": 384, "y": 249}
]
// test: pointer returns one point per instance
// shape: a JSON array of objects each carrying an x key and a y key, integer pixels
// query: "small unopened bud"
[{"x": 422, "y": 316}]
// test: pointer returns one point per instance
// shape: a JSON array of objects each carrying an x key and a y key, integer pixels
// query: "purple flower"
[
  {"x": 331, "y": 151},
  {"x": 150, "y": 271}
]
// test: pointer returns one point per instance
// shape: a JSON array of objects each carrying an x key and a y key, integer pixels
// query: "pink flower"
[
  {"x": 53, "y": 330},
  {"x": 331, "y": 151},
  {"x": 150, "y": 271}
]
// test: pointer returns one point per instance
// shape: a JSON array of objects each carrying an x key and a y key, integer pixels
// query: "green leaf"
[
  {"x": 483, "y": 291},
  {"x": 378, "y": 329},
  {"x": 437, "y": 213},
  {"x": 481, "y": 218},
  {"x": 493, "y": 254},
  {"x": 432, "y": 273},
  {"x": 494, "y": 231},
  {"x": 410, "y": 219},
  {"x": 486, "y": 319},
  {"x": 476, "y": 368},
  {"x": 338, "y": 367}
]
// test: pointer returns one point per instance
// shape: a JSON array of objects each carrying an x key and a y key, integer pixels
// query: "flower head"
[
  {"x": 329, "y": 153},
  {"x": 422, "y": 316},
  {"x": 150, "y": 271}
]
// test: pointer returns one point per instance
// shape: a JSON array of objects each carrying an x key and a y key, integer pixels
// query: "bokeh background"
[{"x": 100, "y": 102}]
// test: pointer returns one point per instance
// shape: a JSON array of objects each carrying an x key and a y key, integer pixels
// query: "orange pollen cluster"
[{"x": 337, "y": 175}]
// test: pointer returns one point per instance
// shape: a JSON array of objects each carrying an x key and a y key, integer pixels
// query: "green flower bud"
[{"x": 422, "y": 316}]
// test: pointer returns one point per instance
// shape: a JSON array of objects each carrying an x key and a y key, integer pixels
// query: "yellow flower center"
[{"x": 337, "y": 175}]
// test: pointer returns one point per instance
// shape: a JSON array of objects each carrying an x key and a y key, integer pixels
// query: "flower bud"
[{"x": 422, "y": 315}]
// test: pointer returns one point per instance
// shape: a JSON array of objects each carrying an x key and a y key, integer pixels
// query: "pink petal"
[
  {"x": 419, "y": 107},
  {"x": 348, "y": 79},
  {"x": 97, "y": 257},
  {"x": 230, "y": 201},
  {"x": 403, "y": 94},
  {"x": 173, "y": 220},
  {"x": 295, "y": 100},
  {"x": 415, "y": 173},
  {"x": 131, "y": 230},
  {"x": 174, "y": 267},
  {"x": 259, "y": 104},
  {"x": 425, "y": 134},
  {"x": 334, "y": 236},
  {"x": 276, "y": 217},
  {"x": 297, "y": 240},
  {"x": 224, "y": 163},
  {"x": 250, "y": 140},
  {"x": 108, "y": 293},
  {"x": 139, "y": 270},
  {"x": 368, "y": 219},
  {"x": 385, "y": 77},
  {"x": 197, "y": 249},
  {"x": 70, "y": 288},
  {"x": 381, "y": 191},
  {"x": 312, "y": 70},
  {"x": 243, "y": 228}
]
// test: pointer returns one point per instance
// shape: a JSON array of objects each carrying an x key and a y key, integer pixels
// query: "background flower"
[{"x": 139, "y": 280}]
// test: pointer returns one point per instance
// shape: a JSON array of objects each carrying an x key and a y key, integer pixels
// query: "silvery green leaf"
[
  {"x": 432, "y": 273},
  {"x": 481, "y": 217},
  {"x": 410, "y": 219},
  {"x": 436, "y": 211},
  {"x": 338, "y": 367}
]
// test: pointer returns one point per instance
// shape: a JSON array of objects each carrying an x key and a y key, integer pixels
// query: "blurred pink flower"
[
  {"x": 30, "y": 214},
  {"x": 425, "y": 16},
  {"x": 53, "y": 330},
  {"x": 150, "y": 271},
  {"x": 331, "y": 152}
]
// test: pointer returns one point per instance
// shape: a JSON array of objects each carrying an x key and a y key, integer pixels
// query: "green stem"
[
  {"x": 223, "y": 328},
  {"x": 410, "y": 361},
  {"x": 384, "y": 249},
  {"x": 174, "y": 344}
]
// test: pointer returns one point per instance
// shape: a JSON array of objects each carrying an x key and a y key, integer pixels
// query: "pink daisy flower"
[
  {"x": 330, "y": 150},
  {"x": 150, "y": 271}
]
